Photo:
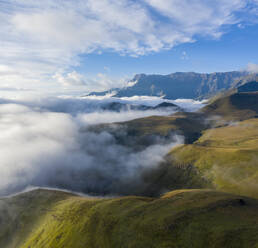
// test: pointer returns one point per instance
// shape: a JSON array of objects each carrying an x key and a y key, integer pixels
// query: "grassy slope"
[
  {"x": 138, "y": 134},
  {"x": 16, "y": 212},
  {"x": 228, "y": 156},
  {"x": 189, "y": 125},
  {"x": 193, "y": 218},
  {"x": 239, "y": 106}
]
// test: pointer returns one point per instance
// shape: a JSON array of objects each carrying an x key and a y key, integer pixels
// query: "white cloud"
[
  {"x": 253, "y": 68},
  {"x": 40, "y": 147},
  {"x": 40, "y": 38},
  {"x": 47, "y": 142},
  {"x": 72, "y": 78},
  {"x": 198, "y": 16},
  {"x": 102, "y": 81}
]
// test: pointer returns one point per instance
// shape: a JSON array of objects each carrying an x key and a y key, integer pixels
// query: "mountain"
[
  {"x": 236, "y": 106},
  {"x": 220, "y": 150},
  {"x": 248, "y": 87},
  {"x": 183, "y": 218},
  {"x": 182, "y": 84},
  {"x": 211, "y": 183}
]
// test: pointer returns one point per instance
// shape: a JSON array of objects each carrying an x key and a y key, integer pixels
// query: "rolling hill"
[
  {"x": 227, "y": 153},
  {"x": 211, "y": 183},
  {"x": 220, "y": 148},
  {"x": 184, "y": 218},
  {"x": 189, "y": 125},
  {"x": 226, "y": 156},
  {"x": 237, "y": 106}
]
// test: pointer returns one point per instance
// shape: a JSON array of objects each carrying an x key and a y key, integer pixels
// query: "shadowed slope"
[{"x": 239, "y": 106}]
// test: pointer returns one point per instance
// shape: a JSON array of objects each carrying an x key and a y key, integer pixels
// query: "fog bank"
[{"x": 43, "y": 147}]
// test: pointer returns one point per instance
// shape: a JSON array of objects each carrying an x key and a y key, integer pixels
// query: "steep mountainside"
[
  {"x": 238, "y": 106},
  {"x": 185, "y": 218},
  {"x": 182, "y": 84},
  {"x": 249, "y": 87}
]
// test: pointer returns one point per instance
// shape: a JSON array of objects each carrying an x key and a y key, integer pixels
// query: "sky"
[{"x": 87, "y": 45}]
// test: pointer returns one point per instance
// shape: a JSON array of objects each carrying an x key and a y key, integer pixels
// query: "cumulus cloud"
[
  {"x": 40, "y": 38},
  {"x": 72, "y": 78},
  {"x": 102, "y": 81},
  {"x": 50, "y": 149}
]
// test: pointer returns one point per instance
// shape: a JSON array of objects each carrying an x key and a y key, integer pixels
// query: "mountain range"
[
  {"x": 182, "y": 84},
  {"x": 204, "y": 193}
]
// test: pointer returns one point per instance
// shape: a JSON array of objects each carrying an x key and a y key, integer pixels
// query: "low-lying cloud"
[
  {"x": 41, "y": 146},
  {"x": 88, "y": 104}
]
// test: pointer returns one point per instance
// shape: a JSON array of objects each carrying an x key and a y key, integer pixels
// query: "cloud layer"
[
  {"x": 41, "y": 40},
  {"x": 43, "y": 145}
]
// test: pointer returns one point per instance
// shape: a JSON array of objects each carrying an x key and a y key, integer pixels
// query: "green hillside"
[
  {"x": 220, "y": 151},
  {"x": 186, "y": 218},
  {"x": 189, "y": 125},
  {"x": 238, "y": 106},
  {"x": 226, "y": 156},
  {"x": 214, "y": 175}
]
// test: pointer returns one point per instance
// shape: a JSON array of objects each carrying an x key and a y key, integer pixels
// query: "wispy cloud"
[
  {"x": 41, "y": 38},
  {"x": 253, "y": 68}
]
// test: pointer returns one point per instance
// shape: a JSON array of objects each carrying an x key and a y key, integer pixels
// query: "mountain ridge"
[{"x": 182, "y": 84}]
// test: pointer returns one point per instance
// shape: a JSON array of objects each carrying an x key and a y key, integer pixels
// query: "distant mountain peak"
[{"x": 183, "y": 84}]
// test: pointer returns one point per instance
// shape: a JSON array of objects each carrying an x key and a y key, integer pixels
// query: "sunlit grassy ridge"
[
  {"x": 238, "y": 106},
  {"x": 227, "y": 156},
  {"x": 188, "y": 124},
  {"x": 195, "y": 218},
  {"x": 138, "y": 131}
]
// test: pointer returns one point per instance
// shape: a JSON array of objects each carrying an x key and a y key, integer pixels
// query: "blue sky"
[
  {"x": 84, "y": 45},
  {"x": 233, "y": 51}
]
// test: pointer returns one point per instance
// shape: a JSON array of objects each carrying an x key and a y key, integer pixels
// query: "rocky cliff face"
[{"x": 184, "y": 84}]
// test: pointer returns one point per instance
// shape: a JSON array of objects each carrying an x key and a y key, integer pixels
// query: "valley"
[{"x": 203, "y": 193}]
